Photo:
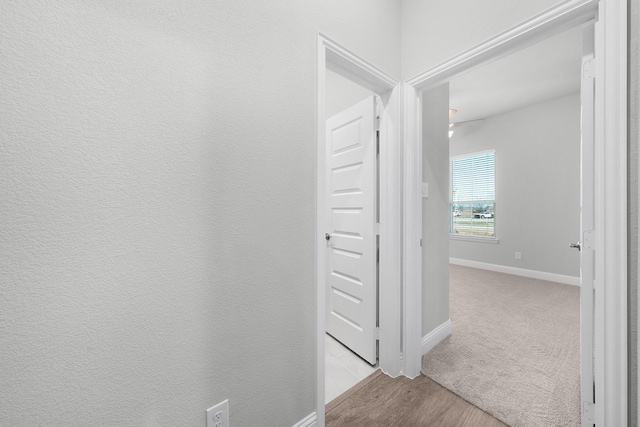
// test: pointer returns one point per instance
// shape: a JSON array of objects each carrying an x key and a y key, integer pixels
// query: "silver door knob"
[
  {"x": 575, "y": 245},
  {"x": 327, "y": 236}
]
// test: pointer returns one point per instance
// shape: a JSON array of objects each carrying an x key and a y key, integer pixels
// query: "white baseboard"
[
  {"x": 308, "y": 421},
  {"x": 534, "y": 274},
  {"x": 436, "y": 336}
]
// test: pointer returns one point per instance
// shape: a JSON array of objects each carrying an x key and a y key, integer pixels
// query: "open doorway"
[
  {"x": 610, "y": 192},
  {"x": 514, "y": 182},
  {"x": 387, "y": 231}
]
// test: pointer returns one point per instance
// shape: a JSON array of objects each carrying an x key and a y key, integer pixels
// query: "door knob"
[
  {"x": 575, "y": 245},
  {"x": 327, "y": 236}
]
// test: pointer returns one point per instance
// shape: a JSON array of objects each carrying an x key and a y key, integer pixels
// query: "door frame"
[
  {"x": 332, "y": 56},
  {"x": 610, "y": 324}
]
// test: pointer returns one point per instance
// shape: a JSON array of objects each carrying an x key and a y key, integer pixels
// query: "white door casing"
[
  {"x": 586, "y": 244},
  {"x": 351, "y": 242}
]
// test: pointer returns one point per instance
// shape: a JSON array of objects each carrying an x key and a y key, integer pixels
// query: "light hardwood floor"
[{"x": 383, "y": 401}]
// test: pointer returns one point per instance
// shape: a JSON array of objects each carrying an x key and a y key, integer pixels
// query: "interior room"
[
  {"x": 513, "y": 249},
  {"x": 158, "y": 224}
]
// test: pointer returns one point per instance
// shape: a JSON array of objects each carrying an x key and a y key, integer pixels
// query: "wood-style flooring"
[{"x": 380, "y": 400}]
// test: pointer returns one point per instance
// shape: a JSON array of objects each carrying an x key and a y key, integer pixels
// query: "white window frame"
[{"x": 472, "y": 237}]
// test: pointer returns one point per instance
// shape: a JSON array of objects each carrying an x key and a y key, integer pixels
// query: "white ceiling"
[{"x": 547, "y": 70}]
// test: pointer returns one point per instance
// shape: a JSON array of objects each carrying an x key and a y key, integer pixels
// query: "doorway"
[
  {"x": 611, "y": 263},
  {"x": 351, "y": 240},
  {"x": 518, "y": 214},
  {"x": 336, "y": 59},
  {"x": 402, "y": 321}
]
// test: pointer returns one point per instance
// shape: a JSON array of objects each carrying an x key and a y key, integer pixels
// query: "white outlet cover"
[{"x": 218, "y": 415}]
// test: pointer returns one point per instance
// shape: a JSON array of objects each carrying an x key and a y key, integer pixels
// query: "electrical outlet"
[
  {"x": 518, "y": 255},
  {"x": 218, "y": 415}
]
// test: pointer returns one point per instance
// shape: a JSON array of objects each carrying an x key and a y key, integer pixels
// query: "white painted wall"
[
  {"x": 436, "y": 30},
  {"x": 435, "y": 212},
  {"x": 341, "y": 93},
  {"x": 157, "y": 170},
  {"x": 537, "y": 186}
]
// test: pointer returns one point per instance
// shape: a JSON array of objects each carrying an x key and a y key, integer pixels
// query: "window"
[{"x": 472, "y": 201}]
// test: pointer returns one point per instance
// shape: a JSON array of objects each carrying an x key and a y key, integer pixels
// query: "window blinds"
[{"x": 473, "y": 178}]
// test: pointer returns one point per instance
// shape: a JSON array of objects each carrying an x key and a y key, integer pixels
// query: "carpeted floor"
[{"x": 515, "y": 348}]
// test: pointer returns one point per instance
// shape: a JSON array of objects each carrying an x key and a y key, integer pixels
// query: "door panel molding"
[{"x": 352, "y": 275}]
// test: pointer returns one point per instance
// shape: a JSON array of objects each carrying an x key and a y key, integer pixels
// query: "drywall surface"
[
  {"x": 435, "y": 208},
  {"x": 537, "y": 162},
  {"x": 341, "y": 93},
  {"x": 436, "y": 30},
  {"x": 157, "y": 224}
]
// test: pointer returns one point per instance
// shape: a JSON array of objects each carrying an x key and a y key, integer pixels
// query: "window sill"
[{"x": 473, "y": 238}]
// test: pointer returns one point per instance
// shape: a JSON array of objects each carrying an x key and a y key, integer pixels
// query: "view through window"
[{"x": 472, "y": 201}]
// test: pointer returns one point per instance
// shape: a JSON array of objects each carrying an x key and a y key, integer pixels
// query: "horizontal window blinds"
[{"x": 473, "y": 178}]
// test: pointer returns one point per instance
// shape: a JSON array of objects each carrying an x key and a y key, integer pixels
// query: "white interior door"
[
  {"x": 351, "y": 303},
  {"x": 587, "y": 240}
]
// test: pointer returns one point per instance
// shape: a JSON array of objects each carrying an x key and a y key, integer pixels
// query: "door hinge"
[
  {"x": 589, "y": 412},
  {"x": 589, "y": 69},
  {"x": 377, "y": 333},
  {"x": 378, "y": 112},
  {"x": 420, "y": 242},
  {"x": 589, "y": 240},
  {"x": 377, "y": 228}
]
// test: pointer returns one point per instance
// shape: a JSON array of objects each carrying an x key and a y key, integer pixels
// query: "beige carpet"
[{"x": 515, "y": 348}]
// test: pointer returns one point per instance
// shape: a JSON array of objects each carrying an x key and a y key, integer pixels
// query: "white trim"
[
  {"x": 390, "y": 297},
  {"x": 610, "y": 329},
  {"x": 470, "y": 238},
  {"x": 412, "y": 233},
  {"x": 533, "y": 274},
  {"x": 320, "y": 207},
  {"x": 547, "y": 24},
  {"x": 332, "y": 56},
  {"x": 436, "y": 336},
  {"x": 308, "y": 421},
  {"x": 475, "y": 153},
  {"x": 347, "y": 64}
]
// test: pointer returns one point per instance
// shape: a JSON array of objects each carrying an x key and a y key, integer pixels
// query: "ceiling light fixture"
[{"x": 452, "y": 112}]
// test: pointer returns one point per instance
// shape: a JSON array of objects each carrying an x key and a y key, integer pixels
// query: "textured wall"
[
  {"x": 157, "y": 228},
  {"x": 435, "y": 208},
  {"x": 537, "y": 186}
]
